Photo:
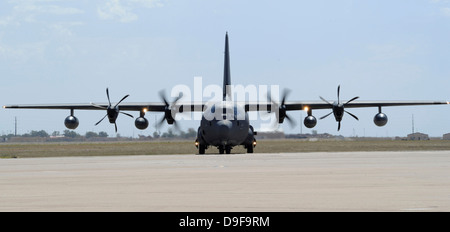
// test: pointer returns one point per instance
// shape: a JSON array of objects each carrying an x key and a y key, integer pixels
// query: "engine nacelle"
[
  {"x": 71, "y": 122},
  {"x": 141, "y": 123},
  {"x": 380, "y": 119},
  {"x": 310, "y": 121}
]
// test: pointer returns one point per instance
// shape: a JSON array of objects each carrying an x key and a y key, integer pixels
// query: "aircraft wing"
[
  {"x": 125, "y": 106},
  {"x": 315, "y": 105},
  {"x": 393, "y": 103},
  {"x": 71, "y": 122},
  {"x": 90, "y": 106},
  {"x": 198, "y": 107}
]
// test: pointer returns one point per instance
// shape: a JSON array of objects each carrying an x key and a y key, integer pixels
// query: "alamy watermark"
[{"x": 255, "y": 97}]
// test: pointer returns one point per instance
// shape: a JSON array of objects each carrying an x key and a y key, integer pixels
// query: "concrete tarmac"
[{"x": 347, "y": 181}]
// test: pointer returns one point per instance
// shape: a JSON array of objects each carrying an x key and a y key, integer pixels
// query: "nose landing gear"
[{"x": 224, "y": 148}]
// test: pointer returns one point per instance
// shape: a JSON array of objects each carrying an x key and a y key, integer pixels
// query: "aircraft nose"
[{"x": 224, "y": 128}]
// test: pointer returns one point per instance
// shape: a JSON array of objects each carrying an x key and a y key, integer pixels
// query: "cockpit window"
[{"x": 220, "y": 112}]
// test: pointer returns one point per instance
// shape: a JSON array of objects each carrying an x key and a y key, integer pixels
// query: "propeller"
[
  {"x": 169, "y": 108},
  {"x": 281, "y": 114},
  {"x": 338, "y": 108},
  {"x": 112, "y": 111}
]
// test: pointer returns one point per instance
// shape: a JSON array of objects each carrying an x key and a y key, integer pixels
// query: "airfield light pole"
[
  {"x": 15, "y": 126},
  {"x": 156, "y": 127},
  {"x": 301, "y": 124}
]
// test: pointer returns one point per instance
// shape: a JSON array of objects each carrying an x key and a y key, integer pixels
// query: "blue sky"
[{"x": 55, "y": 51}]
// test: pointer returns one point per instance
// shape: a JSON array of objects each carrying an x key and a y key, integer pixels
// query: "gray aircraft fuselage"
[{"x": 225, "y": 124}]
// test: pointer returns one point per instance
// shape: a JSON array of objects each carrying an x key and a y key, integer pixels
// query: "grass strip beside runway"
[{"x": 27, "y": 150}]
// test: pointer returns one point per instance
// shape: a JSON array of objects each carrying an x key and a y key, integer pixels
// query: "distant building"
[
  {"x": 418, "y": 136},
  {"x": 447, "y": 136}
]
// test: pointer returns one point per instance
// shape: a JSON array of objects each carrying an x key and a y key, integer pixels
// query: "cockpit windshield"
[{"x": 224, "y": 112}]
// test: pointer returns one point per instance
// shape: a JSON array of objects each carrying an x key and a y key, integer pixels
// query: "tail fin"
[{"x": 226, "y": 72}]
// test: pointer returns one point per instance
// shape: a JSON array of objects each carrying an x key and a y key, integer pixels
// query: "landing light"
[
  {"x": 145, "y": 110},
  {"x": 305, "y": 108},
  {"x": 448, "y": 103}
]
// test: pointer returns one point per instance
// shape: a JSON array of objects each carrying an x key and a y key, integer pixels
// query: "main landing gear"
[
  {"x": 201, "y": 147},
  {"x": 224, "y": 148},
  {"x": 251, "y": 146}
]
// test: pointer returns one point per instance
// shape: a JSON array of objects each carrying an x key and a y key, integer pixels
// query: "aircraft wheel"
[
  {"x": 201, "y": 149},
  {"x": 250, "y": 148}
]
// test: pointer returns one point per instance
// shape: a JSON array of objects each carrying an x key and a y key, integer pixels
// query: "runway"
[{"x": 347, "y": 181}]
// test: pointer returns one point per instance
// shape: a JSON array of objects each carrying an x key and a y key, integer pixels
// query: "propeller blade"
[
  {"x": 101, "y": 120},
  {"x": 285, "y": 94},
  {"x": 162, "y": 95},
  {"x": 269, "y": 98},
  {"x": 290, "y": 120},
  {"x": 158, "y": 125},
  {"x": 177, "y": 98},
  {"x": 273, "y": 105},
  {"x": 339, "y": 107},
  {"x": 351, "y": 100},
  {"x": 98, "y": 106},
  {"x": 174, "y": 103},
  {"x": 338, "y": 90},
  {"x": 176, "y": 126},
  {"x": 283, "y": 98},
  {"x": 129, "y": 115},
  {"x": 121, "y": 100},
  {"x": 107, "y": 94},
  {"x": 112, "y": 113},
  {"x": 323, "y": 99},
  {"x": 352, "y": 115},
  {"x": 326, "y": 116}
]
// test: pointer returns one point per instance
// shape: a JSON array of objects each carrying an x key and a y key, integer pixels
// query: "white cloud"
[
  {"x": 8, "y": 20},
  {"x": 45, "y": 20},
  {"x": 62, "y": 28},
  {"x": 446, "y": 11},
  {"x": 122, "y": 10},
  {"x": 23, "y": 53},
  {"x": 29, "y": 7},
  {"x": 443, "y": 6},
  {"x": 148, "y": 3},
  {"x": 115, "y": 10},
  {"x": 28, "y": 11}
]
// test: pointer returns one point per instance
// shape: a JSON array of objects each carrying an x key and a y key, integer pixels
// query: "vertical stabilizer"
[{"x": 226, "y": 72}]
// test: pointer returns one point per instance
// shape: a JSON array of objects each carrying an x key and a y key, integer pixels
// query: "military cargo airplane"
[{"x": 225, "y": 124}]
